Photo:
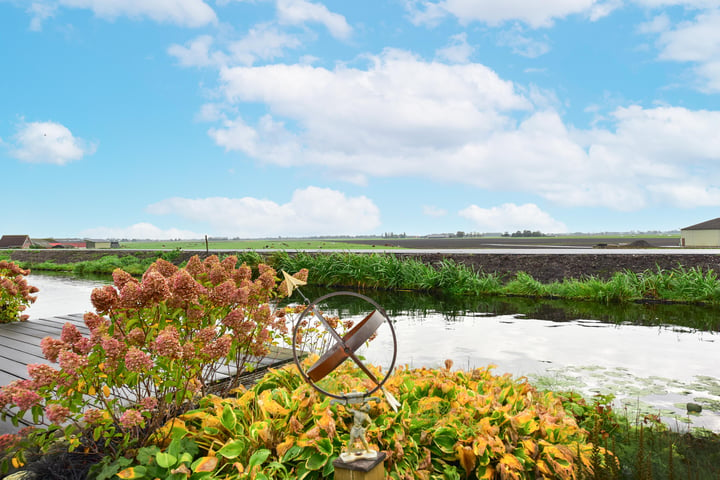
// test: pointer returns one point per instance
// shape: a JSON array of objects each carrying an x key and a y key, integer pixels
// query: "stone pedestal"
[{"x": 361, "y": 469}]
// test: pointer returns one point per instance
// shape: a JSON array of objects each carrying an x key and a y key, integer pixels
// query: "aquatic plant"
[
  {"x": 15, "y": 293},
  {"x": 155, "y": 347}
]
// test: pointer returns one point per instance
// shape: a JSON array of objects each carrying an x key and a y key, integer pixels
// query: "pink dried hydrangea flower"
[
  {"x": 93, "y": 416},
  {"x": 229, "y": 263},
  {"x": 184, "y": 287},
  {"x": 167, "y": 343},
  {"x": 242, "y": 273},
  {"x": 113, "y": 347},
  {"x": 131, "y": 418},
  {"x": 211, "y": 261},
  {"x": 218, "y": 348},
  {"x": 104, "y": 298},
  {"x": 56, "y": 413},
  {"x": 94, "y": 321},
  {"x": 51, "y": 348},
  {"x": 19, "y": 393},
  {"x": 224, "y": 294},
  {"x": 148, "y": 404},
  {"x": 234, "y": 319},
  {"x": 84, "y": 346},
  {"x": 121, "y": 277},
  {"x": 136, "y": 336},
  {"x": 25, "y": 399},
  {"x": 217, "y": 274},
  {"x": 206, "y": 335},
  {"x": 137, "y": 361},
  {"x": 242, "y": 295},
  {"x": 41, "y": 374},
  {"x": 195, "y": 267},
  {"x": 165, "y": 268},
  {"x": 130, "y": 295},
  {"x": 71, "y": 362},
  {"x": 154, "y": 288},
  {"x": 70, "y": 334}
]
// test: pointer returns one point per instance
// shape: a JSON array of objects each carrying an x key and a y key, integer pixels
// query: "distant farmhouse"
[
  {"x": 15, "y": 241},
  {"x": 24, "y": 241},
  {"x": 705, "y": 234}
]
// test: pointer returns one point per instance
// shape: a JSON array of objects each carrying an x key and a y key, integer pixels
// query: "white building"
[{"x": 705, "y": 234}]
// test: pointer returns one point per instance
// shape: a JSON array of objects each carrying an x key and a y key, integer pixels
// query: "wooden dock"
[
  {"x": 20, "y": 343},
  {"x": 20, "y": 346}
]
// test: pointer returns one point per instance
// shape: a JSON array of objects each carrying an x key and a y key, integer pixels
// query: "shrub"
[
  {"x": 154, "y": 349},
  {"x": 15, "y": 293},
  {"x": 456, "y": 425}
]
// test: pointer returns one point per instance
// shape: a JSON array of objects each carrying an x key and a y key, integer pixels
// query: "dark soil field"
[{"x": 510, "y": 242}]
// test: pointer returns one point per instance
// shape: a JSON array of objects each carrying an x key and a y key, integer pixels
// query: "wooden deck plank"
[
  {"x": 34, "y": 327},
  {"x": 20, "y": 345},
  {"x": 52, "y": 323},
  {"x": 6, "y": 378}
]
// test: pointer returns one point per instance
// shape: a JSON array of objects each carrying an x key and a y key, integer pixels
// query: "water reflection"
[
  {"x": 656, "y": 357},
  {"x": 61, "y": 294}
]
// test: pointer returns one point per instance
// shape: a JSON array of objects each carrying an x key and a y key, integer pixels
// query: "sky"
[{"x": 263, "y": 118}]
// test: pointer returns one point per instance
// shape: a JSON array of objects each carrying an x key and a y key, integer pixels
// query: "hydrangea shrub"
[
  {"x": 15, "y": 293},
  {"x": 154, "y": 348}
]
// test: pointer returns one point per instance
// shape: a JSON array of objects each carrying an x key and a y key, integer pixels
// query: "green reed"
[{"x": 388, "y": 271}]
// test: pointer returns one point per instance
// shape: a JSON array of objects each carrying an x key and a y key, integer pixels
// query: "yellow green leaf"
[
  {"x": 132, "y": 472},
  {"x": 205, "y": 464}
]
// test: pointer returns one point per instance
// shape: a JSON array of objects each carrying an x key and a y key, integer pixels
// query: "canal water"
[{"x": 652, "y": 359}]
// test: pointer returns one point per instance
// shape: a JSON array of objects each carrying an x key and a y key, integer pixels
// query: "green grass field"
[{"x": 283, "y": 244}]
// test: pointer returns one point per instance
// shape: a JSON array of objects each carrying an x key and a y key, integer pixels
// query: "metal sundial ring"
[{"x": 344, "y": 346}]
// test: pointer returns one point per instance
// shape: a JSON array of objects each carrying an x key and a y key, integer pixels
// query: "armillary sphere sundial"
[{"x": 331, "y": 340}]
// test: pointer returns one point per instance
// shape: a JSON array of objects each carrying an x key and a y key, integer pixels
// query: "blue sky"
[{"x": 240, "y": 118}]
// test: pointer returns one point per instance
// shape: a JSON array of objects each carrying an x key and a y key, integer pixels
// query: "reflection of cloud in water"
[
  {"x": 538, "y": 347},
  {"x": 61, "y": 295}
]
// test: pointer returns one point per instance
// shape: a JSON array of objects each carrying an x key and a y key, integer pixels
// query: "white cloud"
[
  {"x": 139, "y": 231},
  {"x": 697, "y": 4},
  {"x": 696, "y": 41},
  {"x": 509, "y": 217},
  {"x": 188, "y": 13},
  {"x": 310, "y": 211},
  {"x": 688, "y": 194},
  {"x": 660, "y": 23},
  {"x": 297, "y": 12},
  {"x": 521, "y": 44},
  {"x": 40, "y": 12},
  {"x": 531, "y": 12},
  {"x": 196, "y": 53},
  {"x": 262, "y": 42},
  {"x": 48, "y": 142},
  {"x": 458, "y": 51},
  {"x": 402, "y": 116},
  {"x": 432, "y": 211}
]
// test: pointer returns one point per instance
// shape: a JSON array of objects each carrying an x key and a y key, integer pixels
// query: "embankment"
[{"x": 545, "y": 267}]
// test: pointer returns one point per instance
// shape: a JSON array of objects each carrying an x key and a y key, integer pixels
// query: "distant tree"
[{"x": 460, "y": 234}]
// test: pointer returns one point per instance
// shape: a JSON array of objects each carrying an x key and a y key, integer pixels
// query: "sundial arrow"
[
  {"x": 293, "y": 283},
  {"x": 346, "y": 347}
]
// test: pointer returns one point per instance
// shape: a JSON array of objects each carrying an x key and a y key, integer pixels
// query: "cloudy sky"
[{"x": 255, "y": 118}]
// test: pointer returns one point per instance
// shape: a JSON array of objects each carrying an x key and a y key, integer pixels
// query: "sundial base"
[{"x": 362, "y": 469}]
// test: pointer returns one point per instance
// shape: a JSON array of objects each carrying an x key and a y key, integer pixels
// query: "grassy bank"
[
  {"x": 390, "y": 272},
  {"x": 382, "y": 271}
]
